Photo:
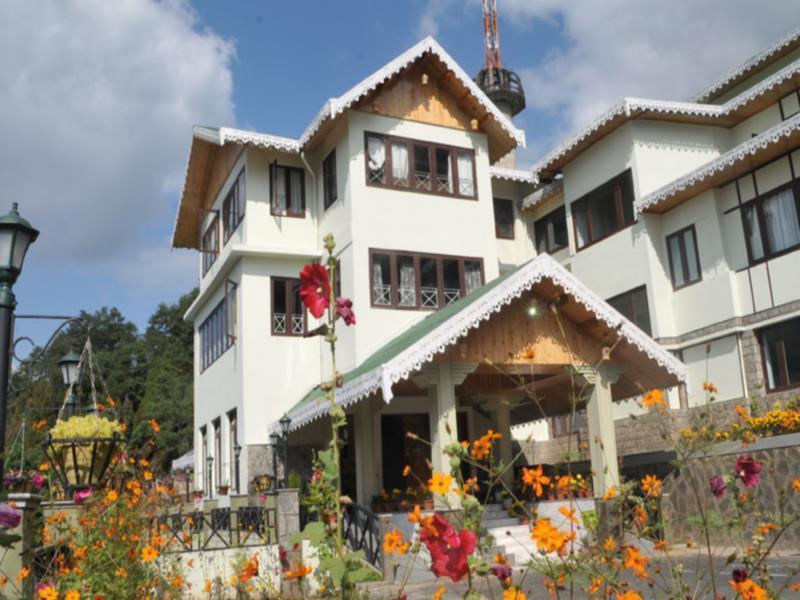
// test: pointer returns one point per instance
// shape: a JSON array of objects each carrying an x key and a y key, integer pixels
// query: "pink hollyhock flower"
[
  {"x": 344, "y": 308},
  {"x": 503, "y": 573},
  {"x": 38, "y": 481},
  {"x": 717, "y": 485},
  {"x": 448, "y": 549},
  {"x": 748, "y": 470},
  {"x": 9, "y": 517},
  {"x": 81, "y": 496},
  {"x": 315, "y": 289}
]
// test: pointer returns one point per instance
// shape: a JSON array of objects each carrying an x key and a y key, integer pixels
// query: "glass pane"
[
  {"x": 540, "y": 233},
  {"x": 278, "y": 296},
  {"x": 641, "y": 314},
  {"x": 280, "y": 190},
  {"x": 559, "y": 222},
  {"x": 452, "y": 281},
  {"x": 504, "y": 218},
  {"x": 297, "y": 303},
  {"x": 296, "y": 192},
  {"x": 6, "y": 243},
  {"x": 422, "y": 168},
  {"x": 381, "y": 280},
  {"x": 791, "y": 349},
  {"x": 429, "y": 290},
  {"x": 626, "y": 189},
  {"x": 693, "y": 267},
  {"x": 444, "y": 171},
  {"x": 376, "y": 159},
  {"x": 472, "y": 275},
  {"x": 466, "y": 185},
  {"x": 770, "y": 341},
  {"x": 781, "y": 222},
  {"x": 400, "y": 164},
  {"x": 407, "y": 281},
  {"x": 675, "y": 262},
  {"x": 581, "y": 226},
  {"x": 752, "y": 232},
  {"x": 603, "y": 213}
]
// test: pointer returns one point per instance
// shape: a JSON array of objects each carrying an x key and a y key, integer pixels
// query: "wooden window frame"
[
  {"x": 388, "y": 140},
  {"x": 417, "y": 258},
  {"x": 684, "y": 257},
  {"x": 546, "y": 219},
  {"x": 289, "y": 299},
  {"x": 629, "y": 294},
  {"x": 781, "y": 358},
  {"x": 757, "y": 204},
  {"x": 583, "y": 204},
  {"x": 214, "y": 337},
  {"x": 234, "y": 196},
  {"x": 214, "y": 253},
  {"x": 217, "y": 425},
  {"x": 497, "y": 232},
  {"x": 329, "y": 182},
  {"x": 273, "y": 167}
]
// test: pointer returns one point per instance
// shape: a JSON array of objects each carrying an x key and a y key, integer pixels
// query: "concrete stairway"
[{"x": 511, "y": 537}]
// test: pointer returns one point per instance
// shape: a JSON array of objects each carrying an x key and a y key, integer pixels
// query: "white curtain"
[
  {"x": 754, "y": 233},
  {"x": 280, "y": 190},
  {"x": 770, "y": 363},
  {"x": 408, "y": 281},
  {"x": 466, "y": 186},
  {"x": 449, "y": 175},
  {"x": 472, "y": 276},
  {"x": 675, "y": 260},
  {"x": 581, "y": 228},
  {"x": 377, "y": 274},
  {"x": 400, "y": 163},
  {"x": 377, "y": 153},
  {"x": 296, "y": 191},
  {"x": 780, "y": 218}
]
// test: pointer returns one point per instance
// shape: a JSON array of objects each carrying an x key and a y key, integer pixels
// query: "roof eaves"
[
  {"x": 543, "y": 194},
  {"x": 520, "y": 175},
  {"x": 411, "y": 359},
  {"x": 771, "y": 136}
]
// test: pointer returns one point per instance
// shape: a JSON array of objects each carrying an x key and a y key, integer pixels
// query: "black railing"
[
  {"x": 362, "y": 530},
  {"x": 219, "y": 528}
]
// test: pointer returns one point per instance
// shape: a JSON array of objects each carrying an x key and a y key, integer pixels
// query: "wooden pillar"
[
  {"x": 366, "y": 478},
  {"x": 602, "y": 435},
  {"x": 504, "y": 444}
]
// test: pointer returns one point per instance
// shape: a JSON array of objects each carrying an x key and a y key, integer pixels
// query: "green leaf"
[
  {"x": 8, "y": 539},
  {"x": 335, "y": 567},
  {"x": 314, "y": 532},
  {"x": 330, "y": 468}
]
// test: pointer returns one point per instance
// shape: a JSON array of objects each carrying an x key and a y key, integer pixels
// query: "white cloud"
[
  {"x": 617, "y": 48},
  {"x": 98, "y": 99}
]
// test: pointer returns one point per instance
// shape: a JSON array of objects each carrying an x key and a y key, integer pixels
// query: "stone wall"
[{"x": 781, "y": 459}]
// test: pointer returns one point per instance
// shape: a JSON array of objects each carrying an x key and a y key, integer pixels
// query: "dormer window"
[
  {"x": 404, "y": 164},
  {"x": 288, "y": 191}
]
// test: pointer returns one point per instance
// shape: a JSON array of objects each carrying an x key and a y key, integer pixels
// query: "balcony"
[{"x": 280, "y": 322}]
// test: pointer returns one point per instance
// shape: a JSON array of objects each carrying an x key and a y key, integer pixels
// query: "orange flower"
[
  {"x": 439, "y": 594},
  {"x": 47, "y": 592},
  {"x": 500, "y": 559},
  {"x": 393, "y": 543},
  {"x": 611, "y": 493},
  {"x": 630, "y": 595},
  {"x": 661, "y": 545},
  {"x": 121, "y": 572},
  {"x": 44, "y": 467},
  {"x": 72, "y": 595},
  {"x": 470, "y": 485},
  {"x": 535, "y": 479},
  {"x": 177, "y": 582},
  {"x": 149, "y": 554},
  {"x": 111, "y": 496},
  {"x": 796, "y": 485},
  {"x": 300, "y": 572},
  {"x": 651, "y": 485},
  {"x": 406, "y": 470},
  {"x": 514, "y": 594},
  {"x": 636, "y": 562},
  {"x": 655, "y": 398},
  {"x": 154, "y": 425},
  {"x": 440, "y": 483},
  {"x": 250, "y": 569},
  {"x": 641, "y": 516},
  {"x": 610, "y": 545},
  {"x": 483, "y": 445},
  {"x": 710, "y": 388},
  {"x": 123, "y": 427},
  {"x": 749, "y": 590},
  {"x": 39, "y": 425},
  {"x": 548, "y": 538},
  {"x": 23, "y": 574},
  {"x": 207, "y": 586},
  {"x": 569, "y": 513},
  {"x": 148, "y": 476}
]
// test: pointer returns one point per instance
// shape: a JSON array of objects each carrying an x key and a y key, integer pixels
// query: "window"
[
  {"x": 603, "y": 211},
  {"x": 404, "y": 164},
  {"x": 233, "y": 207},
  {"x": 288, "y": 191},
  {"x": 233, "y": 439},
  {"x": 551, "y": 231},
  {"x": 329, "y": 179},
  {"x": 780, "y": 349},
  {"x": 771, "y": 223},
  {"x": 209, "y": 244},
  {"x": 288, "y": 316},
  {"x": 203, "y": 456},
  {"x": 633, "y": 306},
  {"x": 217, "y": 452},
  {"x": 684, "y": 263},
  {"x": 415, "y": 281},
  {"x": 504, "y": 219},
  {"x": 217, "y": 332}
]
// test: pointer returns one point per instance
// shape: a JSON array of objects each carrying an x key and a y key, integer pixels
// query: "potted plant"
[{"x": 223, "y": 490}]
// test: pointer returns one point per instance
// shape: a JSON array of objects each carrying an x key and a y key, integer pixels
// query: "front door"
[
  {"x": 399, "y": 450},
  {"x": 347, "y": 458}
]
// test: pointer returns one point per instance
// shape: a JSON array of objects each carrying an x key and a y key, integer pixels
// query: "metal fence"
[{"x": 219, "y": 528}]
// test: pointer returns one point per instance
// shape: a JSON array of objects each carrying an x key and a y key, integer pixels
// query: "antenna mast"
[{"x": 492, "y": 37}]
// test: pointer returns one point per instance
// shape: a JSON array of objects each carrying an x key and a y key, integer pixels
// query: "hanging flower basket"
[{"x": 81, "y": 450}]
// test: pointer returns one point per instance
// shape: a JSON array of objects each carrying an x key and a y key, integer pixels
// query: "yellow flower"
[
  {"x": 148, "y": 476},
  {"x": 111, "y": 496},
  {"x": 393, "y": 543},
  {"x": 440, "y": 483},
  {"x": 149, "y": 554},
  {"x": 651, "y": 485},
  {"x": 48, "y": 592},
  {"x": 439, "y": 594},
  {"x": 73, "y": 595},
  {"x": 514, "y": 594},
  {"x": 121, "y": 573},
  {"x": 655, "y": 398}
]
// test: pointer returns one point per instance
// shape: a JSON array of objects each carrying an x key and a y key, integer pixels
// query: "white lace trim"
[
  {"x": 225, "y": 135},
  {"x": 511, "y": 174},
  {"x": 412, "y": 359},
  {"x": 543, "y": 194},
  {"x": 771, "y": 136},
  {"x": 630, "y": 108},
  {"x": 749, "y": 65},
  {"x": 336, "y": 106}
]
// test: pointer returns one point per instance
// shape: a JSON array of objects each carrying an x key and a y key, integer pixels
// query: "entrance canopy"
[{"x": 519, "y": 336}]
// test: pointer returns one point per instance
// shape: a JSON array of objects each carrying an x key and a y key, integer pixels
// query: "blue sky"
[{"x": 99, "y": 99}]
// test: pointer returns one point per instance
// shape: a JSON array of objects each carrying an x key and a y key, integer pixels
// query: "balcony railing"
[
  {"x": 429, "y": 296},
  {"x": 279, "y": 323},
  {"x": 382, "y": 295}
]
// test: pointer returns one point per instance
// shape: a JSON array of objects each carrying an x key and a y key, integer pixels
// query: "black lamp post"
[
  {"x": 69, "y": 373},
  {"x": 237, "y": 452},
  {"x": 274, "y": 442},
  {"x": 16, "y": 234},
  {"x": 285, "y": 422},
  {"x": 209, "y": 469},
  {"x": 186, "y": 472}
]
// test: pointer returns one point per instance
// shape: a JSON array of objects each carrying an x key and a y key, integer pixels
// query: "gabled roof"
[
  {"x": 407, "y": 353},
  {"x": 336, "y": 106},
  {"x": 751, "y": 65},
  {"x": 228, "y": 135},
  {"x": 753, "y": 153},
  {"x": 518, "y": 175},
  {"x": 730, "y": 113}
]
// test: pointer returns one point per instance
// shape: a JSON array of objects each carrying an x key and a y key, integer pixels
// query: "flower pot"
[{"x": 223, "y": 490}]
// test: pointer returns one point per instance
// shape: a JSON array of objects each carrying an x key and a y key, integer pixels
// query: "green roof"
[{"x": 412, "y": 335}]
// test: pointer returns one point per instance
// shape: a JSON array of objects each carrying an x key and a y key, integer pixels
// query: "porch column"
[
  {"x": 504, "y": 444},
  {"x": 602, "y": 436},
  {"x": 366, "y": 456}
]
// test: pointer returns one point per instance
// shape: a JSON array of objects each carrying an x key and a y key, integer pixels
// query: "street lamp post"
[
  {"x": 285, "y": 422},
  {"x": 16, "y": 235},
  {"x": 210, "y": 470},
  {"x": 186, "y": 472},
  {"x": 69, "y": 372},
  {"x": 274, "y": 442},
  {"x": 237, "y": 452}
]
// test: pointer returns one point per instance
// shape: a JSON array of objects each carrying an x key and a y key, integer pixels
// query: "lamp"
[
  {"x": 69, "y": 367},
  {"x": 237, "y": 452},
  {"x": 285, "y": 422},
  {"x": 274, "y": 442},
  {"x": 209, "y": 466}
]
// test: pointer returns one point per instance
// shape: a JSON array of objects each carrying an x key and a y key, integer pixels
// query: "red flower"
[
  {"x": 717, "y": 485},
  {"x": 748, "y": 470},
  {"x": 81, "y": 495},
  {"x": 315, "y": 289},
  {"x": 344, "y": 308},
  {"x": 449, "y": 549}
]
